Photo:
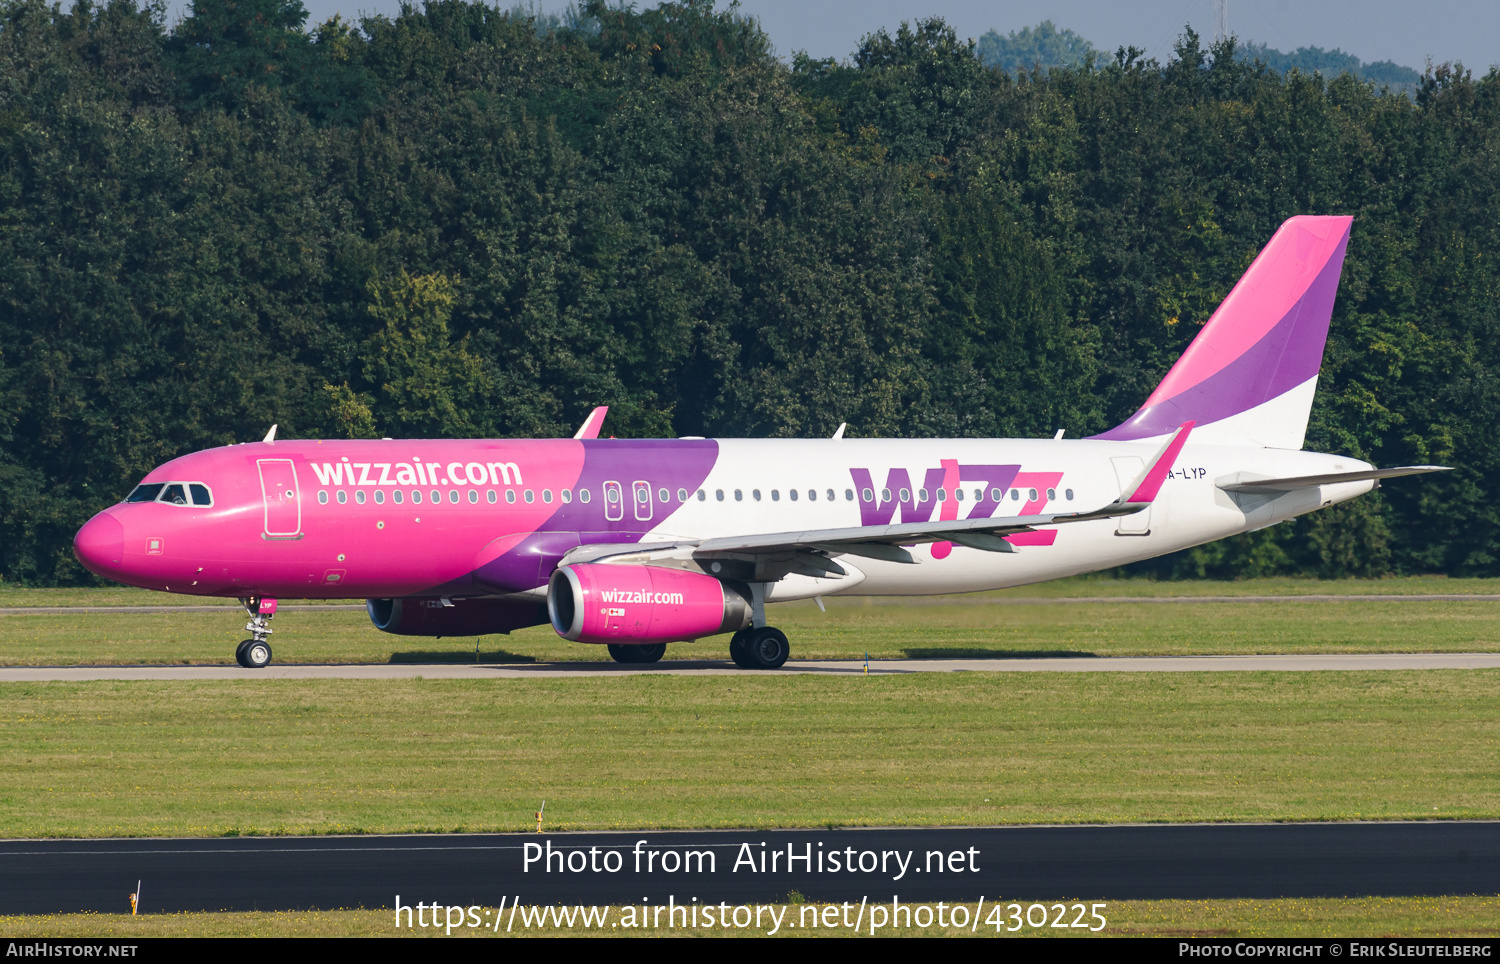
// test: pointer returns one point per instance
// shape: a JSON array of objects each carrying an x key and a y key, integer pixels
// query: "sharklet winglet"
[
  {"x": 591, "y": 425},
  {"x": 1144, "y": 489}
]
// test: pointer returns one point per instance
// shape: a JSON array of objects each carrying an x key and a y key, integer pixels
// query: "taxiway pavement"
[{"x": 1296, "y": 662}]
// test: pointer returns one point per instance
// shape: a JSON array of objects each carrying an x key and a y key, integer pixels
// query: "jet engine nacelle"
[
  {"x": 412, "y": 616},
  {"x": 600, "y": 603}
]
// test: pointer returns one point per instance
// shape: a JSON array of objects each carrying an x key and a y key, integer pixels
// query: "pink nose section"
[{"x": 100, "y": 544}]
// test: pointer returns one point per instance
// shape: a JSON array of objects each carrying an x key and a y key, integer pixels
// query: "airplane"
[{"x": 637, "y": 543}]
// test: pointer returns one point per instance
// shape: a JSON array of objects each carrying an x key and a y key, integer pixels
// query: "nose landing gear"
[{"x": 255, "y": 652}]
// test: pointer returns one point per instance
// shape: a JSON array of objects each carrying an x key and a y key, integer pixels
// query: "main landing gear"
[
  {"x": 649, "y": 653},
  {"x": 759, "y": 647},
  {"x": 255, "y": 652}
]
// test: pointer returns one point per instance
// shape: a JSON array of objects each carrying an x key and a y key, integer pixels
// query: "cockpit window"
[
  {"x": 145, "y": 493},
  {"x": 172, "y": 493}
]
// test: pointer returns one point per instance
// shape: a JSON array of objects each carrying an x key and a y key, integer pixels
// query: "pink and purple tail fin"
[{"x": 1249, "y": 376}]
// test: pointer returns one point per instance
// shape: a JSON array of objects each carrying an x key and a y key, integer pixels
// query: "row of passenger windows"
[
  {"x": 643, "y": 494},
  {"x": 868, "y": 495},
  {"x": 454, "y": 497},
  {"x": 172, "y": 493}
]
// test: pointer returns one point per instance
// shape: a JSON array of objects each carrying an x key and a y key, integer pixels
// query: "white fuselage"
[{"x": 1190, "y": 510}]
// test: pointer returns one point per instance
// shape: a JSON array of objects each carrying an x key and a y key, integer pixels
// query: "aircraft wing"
[
  {"x": 885, "y": 542},
  {"x": 1236, "y": 484},
  {"x": 808, "y": 550}
]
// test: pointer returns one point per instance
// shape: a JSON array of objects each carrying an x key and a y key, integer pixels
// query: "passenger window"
[
  {"x": 611, "y": 496},
  {"x": 397, "y": 496},
  {"x": 942, "y": 495},
  {"x": 849, "y": 495},
  {"x": 921, "y": 495},
  {"x": 528, "y": 495},
  {"x": 416, "y": 496},
  {"x": 995, "y": 495},
  {"x": 174, "y": 494},
  {"x": 547, "y": 496},
  {"x": 775, "y": 495},
  {"x": 719, "y": 494},
  {"x": 1051, "y": 494},
  {"x": 755, "y": 494},
  {"x": 812, "y": 495},
  {"x": 437, "y": 497},
  {"x": 681, "y": 495},
  {"x": 662, "y": 495},
  {"x": 380, "y": 497},
  {"x": 739, "y": 496},
  {"x": 958, "y": 494},
  {"x": 145, "y": 493},
  {"x": 885, "y": 495},
  {"x": 510, "y": 496},
  {"x": 322, "y": 497},
  {"x": 359, "y": 496},
  {"x": 702, "y": 496},
  {"x": 1068, "y": 494},
  {"x": 201, "y": 496},
  {"x": 340, "y": 496},
  {"x": 453, "y": 496},
  {"x": 832, "y": 497},
  {"x": 1015, "y": 495},
  {"x": 567, "y": 496},
  {"x": 474, "y": 497},
  {"x": 489, "y": 496},
  {"x": 868, "y": 495},
  {"x": 906, "y": 495},
  {"x": 792, "y": 493},
  {"x": 1031, "y": 495},
  {"x": 584, "y": 496}
]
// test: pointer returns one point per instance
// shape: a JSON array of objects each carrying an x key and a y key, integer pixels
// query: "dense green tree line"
[{"x": 452, "y": 222}]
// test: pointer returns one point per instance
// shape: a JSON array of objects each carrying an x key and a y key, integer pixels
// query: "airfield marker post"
[{"x": 539, "y": 817}]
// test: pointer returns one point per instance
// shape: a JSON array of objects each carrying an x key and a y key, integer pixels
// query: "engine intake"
[
  {"x": 412, "y": 616},
  {"x": 600, "y": 603}
]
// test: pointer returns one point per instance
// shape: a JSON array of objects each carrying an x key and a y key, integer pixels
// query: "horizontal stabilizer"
[{"x": 1332, "y": 478}]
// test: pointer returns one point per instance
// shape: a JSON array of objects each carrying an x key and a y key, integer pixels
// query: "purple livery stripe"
[{"x": 1264, "y": 340}]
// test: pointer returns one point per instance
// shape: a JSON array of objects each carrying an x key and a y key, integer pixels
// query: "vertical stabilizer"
[{"x": 1250, "y": 375}]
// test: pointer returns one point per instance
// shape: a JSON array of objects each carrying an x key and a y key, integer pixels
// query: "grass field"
[
  {"x": 341, "y": 756},
  {"x": 1358, "y": 917},
  {"x": 985, "y": 624},
  {"x": 269, "y": 757}
]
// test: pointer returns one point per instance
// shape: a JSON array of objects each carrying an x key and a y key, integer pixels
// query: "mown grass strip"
[
  {"x": 351, "y": 756},
  {"x": 1468, "y": 916}
]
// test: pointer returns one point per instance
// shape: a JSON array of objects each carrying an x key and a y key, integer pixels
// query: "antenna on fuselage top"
[
  {"x": 271, "y": 435},
  {"x": 840, "y": 432}
]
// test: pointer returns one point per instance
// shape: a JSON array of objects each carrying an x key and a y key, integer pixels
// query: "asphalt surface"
[
  {"x": 1010, "y": 863},
  {"x": 1080, "y": 664}
]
